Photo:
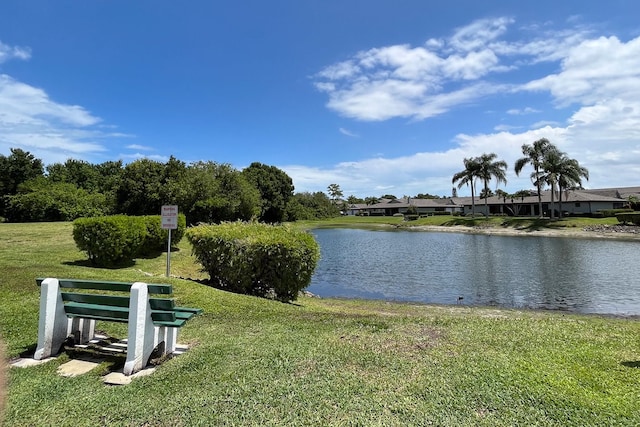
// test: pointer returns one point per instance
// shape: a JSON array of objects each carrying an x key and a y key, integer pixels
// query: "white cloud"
[
  {"x": 432, "y": 79},
  {"x": 594, "y": 70},
  {"x": 600, "y": 138},
  {"x": 520, "y": 112},
  {"x": 599, "y": 77},
  {"x": 136, "y": 156},
  {"x": 52, "y": 131},
  {"x": 139, "y": 147},
  {"x": 479, "y": 33},
  {"x": 13, "y": 52},
  {"x": 403, "y": 81},
  {"x": 348, "y": 133}
]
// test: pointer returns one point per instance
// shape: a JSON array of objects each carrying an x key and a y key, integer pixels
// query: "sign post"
[{"x": 169, "y": 220}]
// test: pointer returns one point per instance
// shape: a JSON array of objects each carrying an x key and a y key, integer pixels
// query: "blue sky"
[{"x": 380, "y": 97}]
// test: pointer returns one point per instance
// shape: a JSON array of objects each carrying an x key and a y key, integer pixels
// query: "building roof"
[{"x": 571, "y": 196}]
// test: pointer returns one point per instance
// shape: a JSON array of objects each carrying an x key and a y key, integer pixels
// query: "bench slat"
[
  {"x": 188, "y": 310},
  {"x": 80, "y": 309},
  {"x": 102, "y": 285},
  {"x": 175, "y": 324},
  {"x": 166, "y": 304},
  {"x": 110, "y": 312}
]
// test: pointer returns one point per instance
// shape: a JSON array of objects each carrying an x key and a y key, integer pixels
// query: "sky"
[{"x": 379, "y": 97}]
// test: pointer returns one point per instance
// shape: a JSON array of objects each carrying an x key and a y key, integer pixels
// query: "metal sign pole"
[{"x": 169, "y": 254}]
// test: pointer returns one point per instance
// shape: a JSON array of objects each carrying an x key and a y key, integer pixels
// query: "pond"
[{"x": 570, "y": 274}]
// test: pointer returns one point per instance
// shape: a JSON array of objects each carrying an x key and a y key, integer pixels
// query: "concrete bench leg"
[
  {"x": 143, "y": 335},
  {"x": 169, "y": 336},
  {"x": 53, "y": 324},
  {"x": 83, "y": 330}
]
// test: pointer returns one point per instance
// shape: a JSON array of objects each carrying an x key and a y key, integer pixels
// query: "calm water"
[{"x": 581, "y": 275}]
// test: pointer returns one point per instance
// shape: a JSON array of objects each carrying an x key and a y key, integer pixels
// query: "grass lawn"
[
  {"x": 521, "y": 223},
  {"x": 320, "y": 361}
]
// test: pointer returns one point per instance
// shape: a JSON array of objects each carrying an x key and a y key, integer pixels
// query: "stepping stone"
[
  {"x": 77, "y": 367},
  {"x": 118, "y": 378},
  {"x": 28, "y": 362}
]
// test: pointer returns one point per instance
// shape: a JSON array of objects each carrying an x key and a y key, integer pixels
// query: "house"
[
  {"x": 574, "y": 202},
  {"x": 388, "y": 207}
]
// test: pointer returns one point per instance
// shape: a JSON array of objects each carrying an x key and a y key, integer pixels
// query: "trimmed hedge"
[
  {"x": 274, "y": 261},
  {"x": 156, "y": 237},
  {"x": 610, "y": 213},
  {"x": 117, "y": 239},
  {"x": 632, "y": 217},
  {"x": 109, "y": 240}
]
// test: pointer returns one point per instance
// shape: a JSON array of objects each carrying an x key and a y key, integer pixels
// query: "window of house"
[{"x": 577, "y": 204}]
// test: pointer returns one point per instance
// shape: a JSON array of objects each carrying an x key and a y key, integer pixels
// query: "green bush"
[
  {"x": 632, "y": 217},
  {"x": 156, "y": 236},
  {"x": 40, "y": 200},
  {"x": 610, "y": 213},
  {"x": 256, "y": 259},
  {"x": 110, "y": 240}
]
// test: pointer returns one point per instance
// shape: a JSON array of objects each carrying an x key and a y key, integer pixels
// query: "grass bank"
[
  {"x": 320, "y": 361},
  {"x": 497, "y": 222}
]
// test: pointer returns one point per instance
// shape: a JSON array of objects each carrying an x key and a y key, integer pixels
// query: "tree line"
[
  {"x": 205, "y": 191},
  {"x": 551, "y": 167}
]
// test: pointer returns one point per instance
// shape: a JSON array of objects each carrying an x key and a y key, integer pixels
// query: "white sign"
[{"x": 169, "y": 217}]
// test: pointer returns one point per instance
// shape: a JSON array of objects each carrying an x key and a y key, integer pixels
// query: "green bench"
[{"x": 70, "y": 307}]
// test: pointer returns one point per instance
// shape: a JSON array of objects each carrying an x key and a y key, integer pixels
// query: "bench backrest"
[
  {"x": 107, "y": 306},
  {"x": 102, "y": 285}
]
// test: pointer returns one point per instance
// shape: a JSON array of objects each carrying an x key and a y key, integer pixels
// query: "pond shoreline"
[{"x": 601, "y": 232}]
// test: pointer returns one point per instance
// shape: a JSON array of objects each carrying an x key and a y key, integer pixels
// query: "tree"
[
  {"x": 80, "y": 173},
  {"x": 140, "y": 191},
  {"x": 562, "y": 172},
  {"x": 488, "y": 169},
  {"x": 371, "y": 200},
  {"x": 334, "y": 192},
  {"x": 210, "y": 192},
  {"x": 43, "y": 200},
  {"x": 353, "y": 200},
  {"x": 550, "y": 171},
  {"x": 467, "y": 177},
  {"x": 388, "y": 196},
  {"x": 305, "y": 206},
  {"x": 20, "y": 166},
  {"x": 535, "y": 154},
  {"x": 486, "y": 193},
  {"x": 426, "y": 196},
  {"x": 275, "y": 187}
]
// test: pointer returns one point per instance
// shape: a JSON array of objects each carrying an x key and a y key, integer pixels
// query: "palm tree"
[
  {"x": 534, "y": 154},
  {"x": 489, "y": 168},
  {"x": 570, "y": 176},
  {"x": 468, "y": 177},
  {"x": 551, "y": 169}
]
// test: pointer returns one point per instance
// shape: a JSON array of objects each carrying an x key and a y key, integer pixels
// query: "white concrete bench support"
[
  {"x": 53, "y": 324},
  {"x": 143, "y": 335}
]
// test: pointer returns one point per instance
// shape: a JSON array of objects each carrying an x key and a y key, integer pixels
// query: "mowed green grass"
[
  {"x": 255, "y": 362},
  {"x": 519, "y": 223}
]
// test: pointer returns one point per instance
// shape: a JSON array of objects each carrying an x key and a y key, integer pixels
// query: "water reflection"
[{"x": 581, "y": 275}]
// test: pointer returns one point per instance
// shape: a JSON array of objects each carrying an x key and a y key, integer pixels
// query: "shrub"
[
  {"x": 110, "y": 240},
  {"x": 40, "y": 200},
  {"x": 632, "y": 217},
  {"x": 256, "y": 259},
  {"x": 156, "y": 236},
  {"x": 610, "y": 213}
]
